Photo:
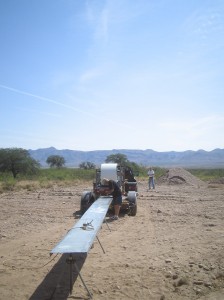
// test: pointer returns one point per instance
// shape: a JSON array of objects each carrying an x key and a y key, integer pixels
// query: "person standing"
[
  {"x": 151, "y": 175},
  {"x": 115, "y": 191}
]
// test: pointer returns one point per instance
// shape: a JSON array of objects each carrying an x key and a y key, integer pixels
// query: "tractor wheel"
[
  {"x": 132, "y": 203},
  {"x": 133, "y": 210},
  {"x": 87, "y": 199}
]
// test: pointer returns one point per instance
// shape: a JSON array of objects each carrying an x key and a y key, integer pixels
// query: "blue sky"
[{"x": 112, "y": 74}]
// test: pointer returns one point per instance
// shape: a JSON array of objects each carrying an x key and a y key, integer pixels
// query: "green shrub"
[
  {"x": 207, "y": 174},
  {"x": 8, "y": 185},
  {"x": 47, "y": 178}
]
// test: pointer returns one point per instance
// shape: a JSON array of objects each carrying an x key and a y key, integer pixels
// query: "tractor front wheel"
[{"x": 87, "y": 199}]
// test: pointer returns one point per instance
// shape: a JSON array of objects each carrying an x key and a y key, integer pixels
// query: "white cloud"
[
  {"x": 97, "y": 15},
  {"x": 91, "y": 74}
]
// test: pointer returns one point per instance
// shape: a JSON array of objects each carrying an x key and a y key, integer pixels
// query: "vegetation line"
[{"x": 19, "y": 171}]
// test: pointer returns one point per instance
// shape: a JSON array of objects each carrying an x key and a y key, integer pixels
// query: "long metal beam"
[{"x": 81, "y": 236}]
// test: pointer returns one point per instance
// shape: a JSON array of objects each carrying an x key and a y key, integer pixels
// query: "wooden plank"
[{"x": 81, "y": 236}]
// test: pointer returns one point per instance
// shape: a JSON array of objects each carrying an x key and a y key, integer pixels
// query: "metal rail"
[{"x": 81, "y": 236}]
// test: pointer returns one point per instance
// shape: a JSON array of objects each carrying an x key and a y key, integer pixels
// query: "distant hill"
[{"x": 187, "y": 159}]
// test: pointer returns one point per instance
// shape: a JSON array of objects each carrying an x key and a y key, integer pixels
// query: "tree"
[
  {"x": 87, "y": 165},
  {"x": 17, "y": 160},
  {"x": 118, "y": 158},
  {"x": 55, "y": 161},
  {"x": 122, "y": 160}
]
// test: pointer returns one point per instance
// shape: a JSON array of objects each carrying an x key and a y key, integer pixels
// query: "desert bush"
[
  {"x": 8, "y": 185},
  {"x": 67, "y": 174},
  {"x": 207, "y": 174},
  {"x": 47, "y": 178}
]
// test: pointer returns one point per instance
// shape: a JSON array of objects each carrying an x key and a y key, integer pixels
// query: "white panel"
[{"x": 109, "y": 171}]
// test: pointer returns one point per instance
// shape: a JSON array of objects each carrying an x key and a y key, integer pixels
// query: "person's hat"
[{"x": 105, "y": 181}]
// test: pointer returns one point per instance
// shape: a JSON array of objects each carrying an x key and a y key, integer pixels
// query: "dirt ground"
[{"x": 172, "y": 249}]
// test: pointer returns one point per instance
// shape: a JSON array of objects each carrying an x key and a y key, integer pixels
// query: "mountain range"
[{"x": 185, "y": 159}]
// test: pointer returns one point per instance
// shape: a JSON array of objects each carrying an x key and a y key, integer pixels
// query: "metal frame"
[{"x": 81, "y": 236}]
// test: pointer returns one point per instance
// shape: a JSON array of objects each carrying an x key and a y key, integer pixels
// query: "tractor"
[{"x": 125, "y": 179}]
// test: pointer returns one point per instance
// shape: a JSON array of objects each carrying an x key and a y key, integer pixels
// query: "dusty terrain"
[{"x": 172, "y": 249}]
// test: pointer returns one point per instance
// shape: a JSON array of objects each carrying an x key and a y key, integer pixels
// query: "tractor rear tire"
[{"x": 132, "y": 203}]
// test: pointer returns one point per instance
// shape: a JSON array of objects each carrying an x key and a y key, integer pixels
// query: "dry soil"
[{"x": 172, "y": 249}]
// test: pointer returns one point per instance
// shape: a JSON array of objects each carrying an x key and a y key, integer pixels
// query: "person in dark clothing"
[{"x": 115, "y": 191}]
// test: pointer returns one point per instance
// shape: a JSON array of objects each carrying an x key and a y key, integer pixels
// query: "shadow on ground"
[{"x": 58, "y": 282}]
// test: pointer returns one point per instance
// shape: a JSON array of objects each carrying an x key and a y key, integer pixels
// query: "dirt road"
[{"x": 172, "y": 249}]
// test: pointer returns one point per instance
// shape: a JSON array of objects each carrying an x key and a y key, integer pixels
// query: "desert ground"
[{"x": 172, "y": 249}]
